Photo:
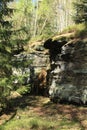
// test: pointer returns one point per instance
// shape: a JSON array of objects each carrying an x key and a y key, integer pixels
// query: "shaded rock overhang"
[{"x": 54, "y": 47}]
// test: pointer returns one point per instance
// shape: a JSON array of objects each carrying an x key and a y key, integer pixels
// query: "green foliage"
[
  {"x": 12, "y": 40},
  {"x": 73, "y": 28},
  {"x": 43, "y": 18},
  {"x": 81, "y": 11},
  {"x": 77, "y": 30},
  {"x": 81, "y": 31},
  {"x": 23, "y": 18},
  {"x": 45, "y": 21},
  {"x": 24, "y": 89},
  {"x": 5, "y": 48},
  {"x": 34, "y": 124}
]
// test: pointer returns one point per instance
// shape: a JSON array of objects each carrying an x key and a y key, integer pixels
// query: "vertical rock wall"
[
  {"x": 68, "y": 76},
  {"x": 32, "y": 67}
]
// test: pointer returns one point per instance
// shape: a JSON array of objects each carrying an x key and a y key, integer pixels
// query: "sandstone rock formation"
[
  {"x": 33, "y": 66},
  {"x": 68, "y": 75}
]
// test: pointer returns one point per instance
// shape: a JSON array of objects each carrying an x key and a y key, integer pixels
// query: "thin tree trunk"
[{"x": 43, "y": 26}]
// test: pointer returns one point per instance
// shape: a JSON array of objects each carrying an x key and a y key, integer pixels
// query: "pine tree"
[
  {"x": 81, "y": 11},
  {"x": 5, "y": 48}
]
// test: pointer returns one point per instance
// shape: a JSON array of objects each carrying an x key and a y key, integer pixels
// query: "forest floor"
[{"x": 39, "y": 113}]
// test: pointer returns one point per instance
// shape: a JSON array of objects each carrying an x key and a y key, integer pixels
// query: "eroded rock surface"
[
  {"x": 30, "y": 66},
  {"x": 68, "y": 76}
]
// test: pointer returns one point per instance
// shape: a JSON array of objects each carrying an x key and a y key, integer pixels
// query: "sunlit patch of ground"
[{"x": 38, "y": 113}]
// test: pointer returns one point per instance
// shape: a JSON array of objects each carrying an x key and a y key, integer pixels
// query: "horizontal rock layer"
[{"x": 29, "y": 65}]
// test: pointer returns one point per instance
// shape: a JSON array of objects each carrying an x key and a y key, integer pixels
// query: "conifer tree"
[
  {"x": 81, "y": 11},
  {"x": 5, "y": 48}
]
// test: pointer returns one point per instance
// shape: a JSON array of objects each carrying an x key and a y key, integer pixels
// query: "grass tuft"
[{"x": 34, "y": 124}]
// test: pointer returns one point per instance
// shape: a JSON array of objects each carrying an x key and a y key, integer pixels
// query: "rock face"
[
  {"x": 30, "y": 65},
  {"x": 68, "y": 75}
]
